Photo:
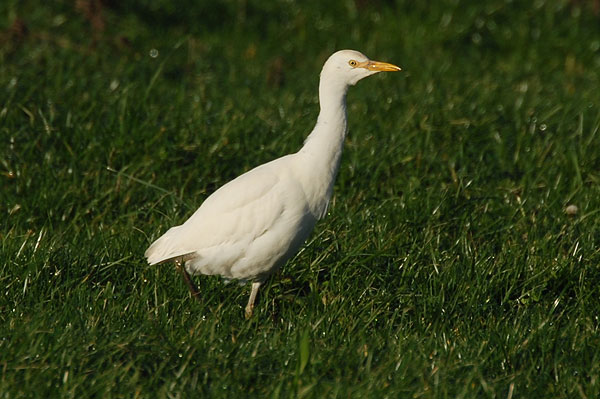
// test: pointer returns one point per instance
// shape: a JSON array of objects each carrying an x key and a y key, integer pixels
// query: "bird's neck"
[
  {"x": 322, "y": 149},
  {"x": 328, "y": 135}
]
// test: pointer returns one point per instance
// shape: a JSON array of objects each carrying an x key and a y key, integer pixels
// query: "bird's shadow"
[{"x": 285, "y": 291}]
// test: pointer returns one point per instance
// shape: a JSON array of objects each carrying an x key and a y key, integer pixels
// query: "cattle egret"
[{"x": 251, "y": 226}]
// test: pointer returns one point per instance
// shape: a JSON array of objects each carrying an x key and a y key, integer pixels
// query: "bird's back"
[{"x": 245, "y": 229}]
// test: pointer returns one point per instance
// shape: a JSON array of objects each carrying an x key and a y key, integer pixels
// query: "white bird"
[{"x": 251, "y": 226}]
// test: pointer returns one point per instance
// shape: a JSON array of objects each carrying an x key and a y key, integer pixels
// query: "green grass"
[{"x": 447, "y": 267}]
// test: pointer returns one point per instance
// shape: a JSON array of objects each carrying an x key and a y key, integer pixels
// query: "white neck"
[{"x": 322, "y": 149}]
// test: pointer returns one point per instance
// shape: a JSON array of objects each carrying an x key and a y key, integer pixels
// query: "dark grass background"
[{"x": 448, "y": 266}]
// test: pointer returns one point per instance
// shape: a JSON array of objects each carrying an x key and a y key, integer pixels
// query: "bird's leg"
[
  {"x": 187, "y": 278},
  {"x": 250, "y": 305}
]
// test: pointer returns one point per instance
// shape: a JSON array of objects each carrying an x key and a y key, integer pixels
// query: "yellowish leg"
[
  {"x": 187, "y": 278},
  {"x": 250, "y": 305}
]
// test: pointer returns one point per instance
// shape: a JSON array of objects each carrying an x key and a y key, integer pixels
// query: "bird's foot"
[{"x": 249, "y": 311}]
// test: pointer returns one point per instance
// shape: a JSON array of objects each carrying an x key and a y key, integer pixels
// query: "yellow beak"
[{"x": 379, "y": 66}]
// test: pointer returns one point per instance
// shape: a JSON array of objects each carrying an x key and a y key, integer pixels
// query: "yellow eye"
[{"x": 353, "y": 63}]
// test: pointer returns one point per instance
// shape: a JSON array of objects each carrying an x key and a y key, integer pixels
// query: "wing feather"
[{"x": 238, "y": 212}]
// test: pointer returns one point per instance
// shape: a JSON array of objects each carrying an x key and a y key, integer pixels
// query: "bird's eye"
[{"x": 353, "y": 63}]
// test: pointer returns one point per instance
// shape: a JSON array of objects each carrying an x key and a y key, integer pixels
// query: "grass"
[{"x": 446, "y": 268}]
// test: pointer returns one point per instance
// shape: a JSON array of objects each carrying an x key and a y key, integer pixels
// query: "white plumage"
[{"x": 252, "y": 225}]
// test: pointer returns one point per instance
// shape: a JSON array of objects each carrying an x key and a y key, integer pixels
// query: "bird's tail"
[{"x": 163, "y": 250}]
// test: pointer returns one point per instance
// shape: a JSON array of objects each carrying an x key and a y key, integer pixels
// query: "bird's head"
[{"x": 349, "y": 66}]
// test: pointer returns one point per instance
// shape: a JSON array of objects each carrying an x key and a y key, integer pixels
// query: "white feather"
[{"x": 252, "y": 225}]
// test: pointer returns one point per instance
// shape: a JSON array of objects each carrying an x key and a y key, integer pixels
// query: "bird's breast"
[{"x": 317, "y": 178}]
